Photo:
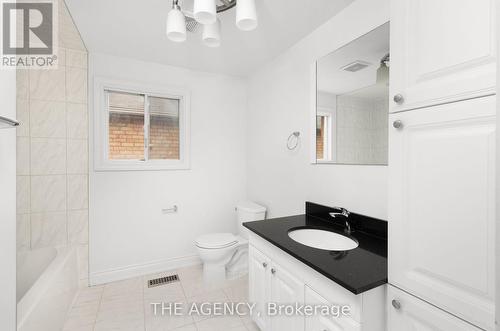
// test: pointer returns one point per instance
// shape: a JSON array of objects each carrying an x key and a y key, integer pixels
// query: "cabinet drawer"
[
  {"x": 326, "y": 323},
  {"x": 408, "y": 313}
]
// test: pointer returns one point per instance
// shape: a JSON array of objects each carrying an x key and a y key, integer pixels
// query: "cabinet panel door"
[
  {"x": 259, "y": 286},
  {"x": 441, "y": 207},
  {"x": 417, "y": 315},
  {"x": 286, "y": 290},
  {"x": 326, "y": 323},
  {"x": 441, "y": 51}
]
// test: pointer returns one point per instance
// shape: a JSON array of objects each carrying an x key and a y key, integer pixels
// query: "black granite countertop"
[{"x": 357, "y": 270}]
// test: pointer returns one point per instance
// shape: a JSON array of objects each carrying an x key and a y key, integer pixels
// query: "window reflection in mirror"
[{"x": 352, "y": 102}]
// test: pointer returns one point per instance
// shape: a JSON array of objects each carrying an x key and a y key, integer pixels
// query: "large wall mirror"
[{"x": 352, "y": 102}]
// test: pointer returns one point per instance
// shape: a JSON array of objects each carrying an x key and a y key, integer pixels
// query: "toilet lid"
[{"x": 216, "y": 240}]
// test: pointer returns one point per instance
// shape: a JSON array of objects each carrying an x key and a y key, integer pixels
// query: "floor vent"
[{"x": 163, "y": 280}]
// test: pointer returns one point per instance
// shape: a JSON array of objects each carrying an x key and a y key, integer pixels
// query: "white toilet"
[{"x": 225, "y": 255}]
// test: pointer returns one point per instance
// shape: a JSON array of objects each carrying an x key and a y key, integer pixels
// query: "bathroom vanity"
[{"x": 284, "y": 271}]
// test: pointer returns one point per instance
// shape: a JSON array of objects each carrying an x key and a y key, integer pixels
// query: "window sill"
[{"x": 141, "y": 166}]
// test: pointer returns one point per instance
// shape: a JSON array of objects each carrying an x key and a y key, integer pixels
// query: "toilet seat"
[{"x": 216, "y": 240}]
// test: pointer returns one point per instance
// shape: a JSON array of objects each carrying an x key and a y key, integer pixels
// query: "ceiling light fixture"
[
  {"x": 176, "y": 23},
  {"x": 204, "y": 12},
  {"x": 211, "y": 34},
  {"x": 246, "y": 15}
]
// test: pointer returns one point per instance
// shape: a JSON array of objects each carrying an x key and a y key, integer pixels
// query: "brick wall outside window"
[
  {"x": 320, "y": 132},
  {"x": 164, "y": 137},
  {"x": 126, "y": 137}
]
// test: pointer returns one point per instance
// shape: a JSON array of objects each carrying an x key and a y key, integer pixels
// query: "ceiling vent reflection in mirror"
[{"x": 356, "y": 66}]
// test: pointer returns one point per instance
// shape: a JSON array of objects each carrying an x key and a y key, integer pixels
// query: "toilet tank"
[{"x": 248, "y": 211}]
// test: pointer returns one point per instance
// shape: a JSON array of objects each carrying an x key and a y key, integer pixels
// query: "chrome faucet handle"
[
  {"x": 344, "y": 212},
  {"x": 348, "y": 227}
]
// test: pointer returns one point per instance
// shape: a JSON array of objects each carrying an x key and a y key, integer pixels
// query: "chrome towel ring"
[{"x": 293, "y": 140}]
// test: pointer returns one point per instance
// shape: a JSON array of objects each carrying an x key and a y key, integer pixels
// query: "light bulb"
[
  {"x": 246, "y": 15},
  {"x": 211, "y": 34},
  {"x": 176, "y": 25},
  {"x": 205, "y": 11}
]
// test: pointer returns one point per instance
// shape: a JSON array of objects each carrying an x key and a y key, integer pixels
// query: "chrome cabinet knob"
[
  {"x": 397, "y": 124},
  {"x": 396, "y": 304},
  {"x": 399, "y": 99},
  {"x": 264, "y": 264},
  {"x": 273, "y": 271}
]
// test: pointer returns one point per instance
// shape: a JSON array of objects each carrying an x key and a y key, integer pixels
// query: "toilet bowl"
[{"x": 225, "y": 255}]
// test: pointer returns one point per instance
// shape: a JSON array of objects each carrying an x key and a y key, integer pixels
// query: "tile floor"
[{"x": 126, "y": 305}]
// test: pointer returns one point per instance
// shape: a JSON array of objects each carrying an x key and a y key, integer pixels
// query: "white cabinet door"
[
  {"x": 408, "y": 313},
  {"x": 442, "y": 207},
  {"x": 286, "y": 290},
  {"x": 319, "y": 322},
  {"x": 259, "y": 286},
  {"x": 441, "y": 51}
]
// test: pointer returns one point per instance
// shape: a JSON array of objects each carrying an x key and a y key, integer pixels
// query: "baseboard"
[{"x": 131, "y": 271}]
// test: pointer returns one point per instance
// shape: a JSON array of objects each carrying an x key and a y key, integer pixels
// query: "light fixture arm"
[{"x": 226, "y": 5}]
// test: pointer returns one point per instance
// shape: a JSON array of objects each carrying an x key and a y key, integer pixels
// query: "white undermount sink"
[{"x": 323, "y": 239}]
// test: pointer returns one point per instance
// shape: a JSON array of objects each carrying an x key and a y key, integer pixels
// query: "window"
[
  {"x": 139, "y": 130},
  {"x": 323, "y": 136}
]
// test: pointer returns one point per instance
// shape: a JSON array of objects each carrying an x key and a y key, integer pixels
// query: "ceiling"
[
  {"x": 136, "y": 29},
  {"x": 369, "y": 48}
]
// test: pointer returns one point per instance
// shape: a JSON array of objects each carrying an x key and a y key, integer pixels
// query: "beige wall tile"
[
  {"x": 77, "y": 156},
  {"x": 48, "y": 229},
  {"x": 62, "y": 55},
  {"x": 48, "y": 156},
  {"x": 76, "y": 85},
  {"x": 77, "y": 192},
  {"x": 48, "y": 193},
  {"x": 77, "y": 121},
  {"x": 48, "y": 119},
  {"x": 23, "y": 156},
  {"x": 83, "y": 261},
  {"x": 77, "y": 59},
  {"x": 51, "y": 106},
  {"x": 69, "y": 37},
  {"x": 22, "y": 84},
  {"x": 23, "y": 117},
  {"x": 23, "y": 232},
  {"x": 78, "y": 230},
  {"x": 23, "y": 194},
  {"x": 47, "y": 84}
]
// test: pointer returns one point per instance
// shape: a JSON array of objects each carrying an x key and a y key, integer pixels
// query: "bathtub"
[{"x": 47, "y": 281}]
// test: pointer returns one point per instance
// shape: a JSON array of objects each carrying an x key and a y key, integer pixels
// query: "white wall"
[
  {"x": 8, "y": 203},
  {"x": 128, "y": 233},
  {"x": 497, "y": 175},
  {"x": 280, "y": 101}
]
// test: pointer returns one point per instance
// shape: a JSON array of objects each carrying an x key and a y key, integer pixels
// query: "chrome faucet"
[{"x": 344, "y": 213}]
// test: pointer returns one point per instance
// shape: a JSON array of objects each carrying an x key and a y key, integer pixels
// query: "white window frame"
[
  {"x": 330, "y": 137},
  {"x": 101, "y": 126}
]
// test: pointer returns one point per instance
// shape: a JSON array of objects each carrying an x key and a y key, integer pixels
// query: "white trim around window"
[
  {"x": 330, "y": 137},
  {"x": 101, "y": 125}
]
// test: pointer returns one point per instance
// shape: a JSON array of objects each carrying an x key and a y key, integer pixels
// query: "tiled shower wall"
[
  {"x": 52, "y": 149},
  {"x": 362, "y": 131}
]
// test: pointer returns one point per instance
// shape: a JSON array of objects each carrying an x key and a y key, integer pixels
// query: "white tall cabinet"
[
  {"x": 441, "y": 51},
  {"x": 442, "y": 165}
]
